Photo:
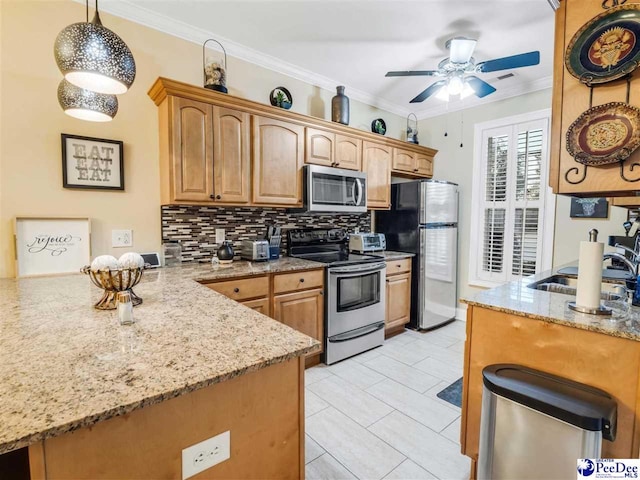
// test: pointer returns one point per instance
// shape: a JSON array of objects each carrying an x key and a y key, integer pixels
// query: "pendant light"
[
  {"x": 85, "y": 104},
  {"x": 92, "y": 57}
]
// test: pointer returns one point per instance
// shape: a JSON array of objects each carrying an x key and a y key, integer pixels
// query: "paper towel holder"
[{"x": 601, "y": 310}]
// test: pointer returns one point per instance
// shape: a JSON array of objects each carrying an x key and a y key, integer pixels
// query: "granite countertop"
[
  {"x": 518, "y": 299},
  {"x": 65, "y": 365},
  {"x": 390, "y": 255}
]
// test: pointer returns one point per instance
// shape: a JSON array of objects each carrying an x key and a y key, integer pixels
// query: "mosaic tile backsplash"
[{"x": 195, "y": 227}]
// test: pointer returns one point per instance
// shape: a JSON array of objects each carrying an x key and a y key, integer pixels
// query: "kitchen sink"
[{"x": 567, "y": 285}]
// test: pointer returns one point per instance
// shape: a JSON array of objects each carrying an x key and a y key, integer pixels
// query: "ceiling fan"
[{"x": 458, "y": 71}]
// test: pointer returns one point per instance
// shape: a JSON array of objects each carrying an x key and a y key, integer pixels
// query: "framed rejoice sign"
[
  {"x": 49, "y": 246},
  {"x": 92, "y": 163}
]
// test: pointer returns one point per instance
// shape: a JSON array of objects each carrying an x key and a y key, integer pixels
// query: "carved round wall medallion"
[
  {"x": 604, "y": 134},
  {"x": 607, "y": 47}
]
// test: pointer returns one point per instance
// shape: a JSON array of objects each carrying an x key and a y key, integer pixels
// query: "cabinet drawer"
[
  {"x": 290, "y": 282},
  {"x": 398, "y": 266},
  {"x": 242, "y": 289}
]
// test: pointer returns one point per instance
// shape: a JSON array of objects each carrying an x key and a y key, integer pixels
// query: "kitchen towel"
[{"x": 589, "y": 274}]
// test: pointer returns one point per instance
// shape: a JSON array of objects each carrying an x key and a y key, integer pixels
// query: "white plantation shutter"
[{"x": 509, "y": 202}]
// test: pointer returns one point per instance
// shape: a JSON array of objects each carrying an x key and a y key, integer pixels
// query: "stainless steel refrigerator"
[{"x": 424, "y": 220}]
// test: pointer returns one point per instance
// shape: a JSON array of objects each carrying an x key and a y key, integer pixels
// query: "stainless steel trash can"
[{"x": 536, "y": 425}]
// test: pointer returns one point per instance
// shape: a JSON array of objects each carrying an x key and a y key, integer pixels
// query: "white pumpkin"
[
  {"x": 131, "y": 260},
  {"x": 104, "y": 262}
]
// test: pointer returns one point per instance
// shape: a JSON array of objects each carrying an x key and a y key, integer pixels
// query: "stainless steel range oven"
[
  {"x": 355, "y": 309},
  {"x": 354, "y": 291}
]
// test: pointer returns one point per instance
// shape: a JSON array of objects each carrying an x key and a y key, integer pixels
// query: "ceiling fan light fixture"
[
  {"x": 461, "y": 49},
  {"x": 467, "y": 91},
  {"x": 443, "y": 94},
  {"x": 455, "y": 85}
]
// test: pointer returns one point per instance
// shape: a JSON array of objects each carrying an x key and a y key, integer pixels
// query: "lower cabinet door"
[
  {"x": 398, "y": 300},
  {"x": 259, "y": 305},
  {"x": 302, "y": 311}
]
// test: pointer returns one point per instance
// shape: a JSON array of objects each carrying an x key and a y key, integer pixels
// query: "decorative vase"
[
  {"x": 215, "y": 70},
  {"x": 340, "y": 107},
  {"x": 225, "y": 252}
]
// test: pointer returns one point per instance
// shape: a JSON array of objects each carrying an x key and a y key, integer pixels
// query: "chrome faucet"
[{"x": 632, "y": 265}]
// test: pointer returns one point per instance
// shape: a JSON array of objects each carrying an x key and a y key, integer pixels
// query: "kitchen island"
[
  {"x": 515, "y": 323},
  {"x": 93, "y": 399}
]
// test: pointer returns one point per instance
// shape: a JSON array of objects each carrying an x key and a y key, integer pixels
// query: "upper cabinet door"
[
  {"x": 348, "y": 152},
  {"x": 424, "y": 165},
  {"x": 376, "y": 161},
  {"x": 231, "y": 154},
  {"x": 319, "y": 148},
  {"x": 404, "y": 160},
  {"x": 278, "y": 156},
  {"x": 192, "y": 150}
]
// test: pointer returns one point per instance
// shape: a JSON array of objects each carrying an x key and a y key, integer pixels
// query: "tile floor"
[{"x": 377, "y": 416}]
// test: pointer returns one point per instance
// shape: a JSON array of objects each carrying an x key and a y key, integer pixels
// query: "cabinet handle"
[
  {"x": 399, "y": 266},
  {"x": 416, "y": 170},
  {"x": 215, "y": 197},
  {"x": 302, "y": 280},
  {"x": 218, "y": 197},
  {"x": 236, "y": 290}
]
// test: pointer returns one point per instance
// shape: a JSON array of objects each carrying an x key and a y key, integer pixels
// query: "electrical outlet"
[
  {"x": 121, "y": 238},
  {"x": 219, "y": 235},
  {"x": 206, "y": 454}
]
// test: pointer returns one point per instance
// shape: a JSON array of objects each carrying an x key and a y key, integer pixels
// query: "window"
[{"x": 510, "y": 196}]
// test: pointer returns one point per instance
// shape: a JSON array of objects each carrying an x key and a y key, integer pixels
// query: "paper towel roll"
[{"x": 589, "y": 274}]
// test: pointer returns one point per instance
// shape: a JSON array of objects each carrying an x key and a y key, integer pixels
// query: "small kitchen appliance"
[
  {"x": 367, "y": 242},
  {"x": 255, "y": 250},
  {"x": 333, "y": 190},
  {"x": 354, "y": 291}
]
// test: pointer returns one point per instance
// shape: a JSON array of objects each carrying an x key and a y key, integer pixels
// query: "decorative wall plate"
[
  {"x": 607, "y": 47},
  {"x": 604, "y": 134}
]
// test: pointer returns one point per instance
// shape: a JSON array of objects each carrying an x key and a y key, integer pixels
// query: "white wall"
[{"x": 455, "y": 163}]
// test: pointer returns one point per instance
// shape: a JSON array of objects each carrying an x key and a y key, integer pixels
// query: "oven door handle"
[
  {"x": 351, "y": 271},
  {"x": 357, "y": 333}
]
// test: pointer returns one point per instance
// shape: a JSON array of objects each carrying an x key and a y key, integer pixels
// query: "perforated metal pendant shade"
[
  {"x": 91, "y": 56},
  {"x": 86, "y": 104}
]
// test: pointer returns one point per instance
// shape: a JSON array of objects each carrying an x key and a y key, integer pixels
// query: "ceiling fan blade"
[
  {"x": 461, "y": 49},
  {"x": 480, "y": 87},
  {"x": 429, "y": 91},
  {"x": 412, "y": 73},
  {"x": 507, "y": 63}
]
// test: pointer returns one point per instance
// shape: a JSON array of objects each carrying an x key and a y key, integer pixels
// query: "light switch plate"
[
  {"x": 219, "y": 235},
  {"x": 201, "y": 456},
  {"x": 121, "y": 238}
]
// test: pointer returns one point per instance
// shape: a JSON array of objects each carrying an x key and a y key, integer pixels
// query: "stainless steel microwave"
[{"x": 334, "y": 190}]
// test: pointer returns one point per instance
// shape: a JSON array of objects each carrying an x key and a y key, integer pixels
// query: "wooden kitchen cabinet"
[
  {"x": 319, "y": 148},
  {"x": 278, "y": 156},
  {"x": 242, "y": 289},
  {"x": 376, "y": 162},
  {"x": 398, "y": 296},
  {"x": 302, "y": 311},
  {"x": 602, "y": 361},
  {"x": 191, "y": 143},
  {"x": 261, "y": 305},
  {"x": 218, "y": 149},
  {"x": 424, "y": 164},
  {"x": 404, "y": 161},
  {"x": 348, "y": 152},
  {"x": 231, "y": 156},
  {"x": 570, "y": 100}
]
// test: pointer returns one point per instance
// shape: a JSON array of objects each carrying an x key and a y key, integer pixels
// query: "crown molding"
[
  {"x": 502, "y": 94},
  {"x": 148, "y": 18}
]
